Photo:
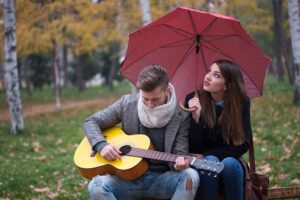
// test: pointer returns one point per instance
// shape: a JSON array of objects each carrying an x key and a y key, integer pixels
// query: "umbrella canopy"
[{"x": 187, "y": 41}]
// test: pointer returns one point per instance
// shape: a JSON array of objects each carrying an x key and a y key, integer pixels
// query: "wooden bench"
[{"x": 283, "y": 192}]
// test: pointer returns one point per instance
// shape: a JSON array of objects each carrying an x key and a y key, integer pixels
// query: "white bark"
[
  {"x": 295, "y": 28},
  {"x": 146, "y": 17},
  {"x": 56, "y": 67},
  {"x": 294, "y": 22},
  {"x": 146, "y": 13},
  {"x": 10, "y": 68}
]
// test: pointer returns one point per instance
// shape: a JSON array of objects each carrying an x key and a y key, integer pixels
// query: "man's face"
[{"x": 156, "y": 97}]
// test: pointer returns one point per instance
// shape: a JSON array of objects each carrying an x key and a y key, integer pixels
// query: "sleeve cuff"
[{"x": 100, "y": 145}]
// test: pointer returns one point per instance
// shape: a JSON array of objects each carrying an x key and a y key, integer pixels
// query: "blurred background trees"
[{"x": 69, "y": 43}]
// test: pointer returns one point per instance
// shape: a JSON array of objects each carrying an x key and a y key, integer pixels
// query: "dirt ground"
[{"x": 31, "y": 110}]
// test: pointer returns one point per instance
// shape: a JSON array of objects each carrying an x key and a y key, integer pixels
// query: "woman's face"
[{"x": 214, "y": 82}]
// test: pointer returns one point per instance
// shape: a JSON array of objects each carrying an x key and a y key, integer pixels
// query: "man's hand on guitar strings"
[
  {"x": 110, "y": 152},
  {"x": 181, "y": 163}
]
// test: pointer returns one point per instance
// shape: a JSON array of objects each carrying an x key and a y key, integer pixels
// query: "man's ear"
[{"x": 168, "y": 90}]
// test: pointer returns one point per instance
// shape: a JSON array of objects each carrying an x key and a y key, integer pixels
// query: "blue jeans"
[
  {"x": 170, "y": 184},
  {"x": 232, "y": 177}
]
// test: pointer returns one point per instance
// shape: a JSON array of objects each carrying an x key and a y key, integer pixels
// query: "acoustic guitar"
[{"x": 131, "y": 165}]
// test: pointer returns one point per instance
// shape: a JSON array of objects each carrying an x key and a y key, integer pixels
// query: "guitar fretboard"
[{"x": 156, "y": 155}]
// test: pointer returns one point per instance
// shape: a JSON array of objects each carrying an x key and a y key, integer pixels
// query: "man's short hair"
[{"x": 151, "y": 77}]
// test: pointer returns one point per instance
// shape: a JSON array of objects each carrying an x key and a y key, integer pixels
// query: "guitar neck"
[
  {"x": 157, "y": 155},
  {"x": 212, "y": 166}
]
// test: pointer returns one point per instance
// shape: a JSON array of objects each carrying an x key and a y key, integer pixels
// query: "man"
[{"x": 154, "y": 112}]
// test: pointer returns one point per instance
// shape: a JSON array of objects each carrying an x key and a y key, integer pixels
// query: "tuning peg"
[
  {"x": 215, "y": 176},
  {"x": 202, "y": 172},
  {"x": 208, "y": 174}
]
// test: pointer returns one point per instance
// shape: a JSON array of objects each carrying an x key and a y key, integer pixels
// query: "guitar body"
[{"x": 127, "y": 168}]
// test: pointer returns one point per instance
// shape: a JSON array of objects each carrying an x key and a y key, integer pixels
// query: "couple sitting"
[{"x": 218, "y": 129}]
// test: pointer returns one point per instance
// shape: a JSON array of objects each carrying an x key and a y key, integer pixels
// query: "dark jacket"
[{"x": 209, "y": 141}]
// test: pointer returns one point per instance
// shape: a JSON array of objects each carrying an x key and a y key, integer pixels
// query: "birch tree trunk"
[
  {"x": 56, "y": 67},
  {"x": 277, "y": 5},
  {"x": 146, "y": 18},
  {"x": 10, "y": 68},
  {"x": 65, "y": 65},
  {"x": 146, "y": 13},
  {"x": 294, "y": 22}
]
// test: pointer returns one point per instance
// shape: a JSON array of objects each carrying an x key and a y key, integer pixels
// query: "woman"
[{"x": 220, "y": 127}]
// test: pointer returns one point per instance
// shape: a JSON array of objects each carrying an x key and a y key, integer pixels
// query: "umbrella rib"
[
  {"x": 203, "y": 58},
  {"x": 164, "y": 46},
  {"x": 173, "y": 44},
  {"x": 215, "y": 49},
  {"x": 219, "y": 37},
  {"x": 178, "y": 31},
  {"x": 224, "y": 54},
  {"x": 231, "y": 35},
  {"x": 192, "y": 22},
  {"x": 208, "y": 27},
  {"x": 183, "y": 58}
]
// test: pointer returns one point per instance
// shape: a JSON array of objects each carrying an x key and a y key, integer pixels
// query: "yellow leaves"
[
  {"x": 30, "y": 37},
  {"x": 253, "y": 18},
  {"x": 74, "y": 23},
  {"x": 85, "y": 26}
]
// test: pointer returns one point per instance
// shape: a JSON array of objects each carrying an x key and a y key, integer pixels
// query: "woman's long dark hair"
[{"x": 230, "y": 119}]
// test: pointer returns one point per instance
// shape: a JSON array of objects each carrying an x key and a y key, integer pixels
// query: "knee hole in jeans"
[{"x": 189, "y": 184}]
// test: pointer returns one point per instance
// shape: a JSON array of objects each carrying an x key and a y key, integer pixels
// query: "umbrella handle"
[{"x": 192, "y": 109}]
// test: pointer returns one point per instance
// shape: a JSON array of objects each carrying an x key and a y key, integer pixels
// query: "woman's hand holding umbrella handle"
[
  {"x": 194, "y": 106},
  {"x": 192, "y": 109},
  {"x": 195, "y": 103}
]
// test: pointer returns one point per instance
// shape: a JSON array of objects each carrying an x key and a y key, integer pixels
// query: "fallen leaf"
[
  {"x": 285, "y": 157},
  {"x": 283, "y": 176},
  {"x": 263, "y": 149},
  {"x": 59, "y": 185},
  {"x": 296, "y": 181},
  {"x": 36, "y": 146},
  {"x": 59, "y": 141},
  {"x": 45, "y": 189},
  {"x": 286, "y": 149},
  {"x": 264, "y": 169},
  {"x": 43, "y": 157},
  {"x": 51, "y": 195}
]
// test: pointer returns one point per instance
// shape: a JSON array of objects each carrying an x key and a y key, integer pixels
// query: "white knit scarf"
[{"x": 159, "y": 116}]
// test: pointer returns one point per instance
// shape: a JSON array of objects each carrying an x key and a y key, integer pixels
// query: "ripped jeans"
[{"x": 177, "y": 185}]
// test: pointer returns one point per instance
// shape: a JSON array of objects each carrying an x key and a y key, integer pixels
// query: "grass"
[
  {"x": 276, "y": 129},
  {"x": 38, "y": 164},
  {"x": 46, "y": 94}
]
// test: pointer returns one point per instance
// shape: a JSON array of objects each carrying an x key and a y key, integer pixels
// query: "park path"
[{"x": 36, "y": 109}]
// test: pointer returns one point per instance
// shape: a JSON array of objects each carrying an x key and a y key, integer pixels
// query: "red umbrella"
[{"x": 187, "y": 42}]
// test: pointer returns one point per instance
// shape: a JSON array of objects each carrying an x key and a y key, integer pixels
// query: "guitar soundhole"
[{"x": 125, "y": 150}]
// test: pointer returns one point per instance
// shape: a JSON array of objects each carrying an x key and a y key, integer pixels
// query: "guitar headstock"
[{"x": 208, "y": 167}]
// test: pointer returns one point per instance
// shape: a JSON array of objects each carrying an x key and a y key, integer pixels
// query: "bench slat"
[{"x": 283, "y": 192}]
